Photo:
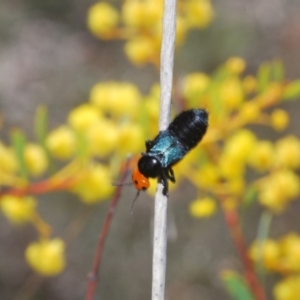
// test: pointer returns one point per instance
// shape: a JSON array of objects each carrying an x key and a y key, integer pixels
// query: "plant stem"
[
  {"x": 161, "y": 201},
  {"x": 93, "y": 277},
  {"x": 233, "y": 223}
]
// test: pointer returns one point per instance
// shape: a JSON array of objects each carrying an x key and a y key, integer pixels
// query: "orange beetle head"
[{"x": 140, "y": 182}]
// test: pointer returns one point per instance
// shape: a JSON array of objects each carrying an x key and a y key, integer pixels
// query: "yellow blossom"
[
  {"x": 35, "y": 159},
  {"x": 235, "y": 65},
  {"x": 16, "y": 209},
  {"x": 189, "y": 166},
  {"x": 249, "y": 84},
  {"x": 129, "y": 101},
  {"x": 203, "y": 207},
  {"x": 95, "y": 184},
  {"x": 46, "y": 256},
  {"x": 262, "y": 156},
  {"x": 101, "y": 19},
  {"x": 150, "y": 114},
  {"x": 198, "y": 13},
  {"x": 151, "y": 104},
  {"x": 249, "y": 111},
  {"x": 288, "y": 288},
  {"x": 194, "y": 84},
  {"x": 131, "y": 139},
  {"x": 83, "y": 116},
  {"x": 279, "y": 119},
  {"x": 236, "y": 151},
  {"x": 103, "y": 137},
  {"x": 290, "y": 247},
  {"x": 8, "y": 160},
  {"x": 206, "y": 177},
  {"x": 61, "y": 142},
  {"x": 267, "y": 252},
  {"x": 133, "y": 13},
  {"x": 278, "y": 189},
  {"x": 138, "y": 13},
  {"x": 236, "y": 185},
  {"x": 231, "y": 167},
  {"x": 288, "y": 152},
  {"x": 141, "y": 50},
  {"x": 231, "y": 93},
  {"x": 240, "y": 145},
  {"x": 117, "y": 99}
]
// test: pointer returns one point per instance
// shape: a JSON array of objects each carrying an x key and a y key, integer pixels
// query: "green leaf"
[
  {"x": 41, "y": 124},
  {"x": 41, "y": 131},
  {"x": 278, "y": 70},
  {"x": 236, "y": 286},
  {"x": 263, "y": 231},
  {"x": 263, "y": 76},
  {"x": 249, "y": 195},
  {"x": 18, "y": 141},
  {"x": 292, "y": 90}
]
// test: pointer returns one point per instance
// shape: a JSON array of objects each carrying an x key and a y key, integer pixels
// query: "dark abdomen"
[{"x": 189, "y": 127}]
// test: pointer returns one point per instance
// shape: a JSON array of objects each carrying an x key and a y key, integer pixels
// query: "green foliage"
[{"x": 236, "y": 286}]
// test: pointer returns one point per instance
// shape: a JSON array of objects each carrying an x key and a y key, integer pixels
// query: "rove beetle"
[{"x": 169, "y": 147}]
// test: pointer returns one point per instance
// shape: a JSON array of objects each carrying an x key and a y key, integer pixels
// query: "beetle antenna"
[
  {"x": 121, "y": 184},
  {"x": 133, "y": 201}
]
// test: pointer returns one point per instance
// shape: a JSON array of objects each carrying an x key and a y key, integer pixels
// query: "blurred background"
[{"x": 47, "y": 56}]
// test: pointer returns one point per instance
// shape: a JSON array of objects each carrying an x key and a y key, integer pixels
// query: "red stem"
[
  {"x": 232, "y": 220},
  {"x": 40, "y": 187},
  {"x": 93, "y": 276}
]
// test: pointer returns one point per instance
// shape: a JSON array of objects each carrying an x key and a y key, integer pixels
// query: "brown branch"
[
  {"x": 93, "y": 276},
  {"x": 233, "y": 222}
]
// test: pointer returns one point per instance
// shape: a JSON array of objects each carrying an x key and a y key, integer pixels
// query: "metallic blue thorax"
[{"x": 166, "y": 148}]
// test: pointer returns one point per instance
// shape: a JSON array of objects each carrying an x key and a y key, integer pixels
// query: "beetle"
[{"x": 169, "y": 147}]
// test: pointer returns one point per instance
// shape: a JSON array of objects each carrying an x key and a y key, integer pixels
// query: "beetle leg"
[
  {"x": 164, "y": 181},
  {"x": 170, "y": 175}
]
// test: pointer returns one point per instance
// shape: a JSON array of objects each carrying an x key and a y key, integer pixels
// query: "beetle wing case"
[{"x": 189, "y": 127}]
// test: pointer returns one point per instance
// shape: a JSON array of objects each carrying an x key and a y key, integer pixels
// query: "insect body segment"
[{"x": 170, "y": 146}]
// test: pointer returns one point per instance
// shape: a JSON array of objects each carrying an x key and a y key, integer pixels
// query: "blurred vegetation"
[{"x": 239, "y": 167}]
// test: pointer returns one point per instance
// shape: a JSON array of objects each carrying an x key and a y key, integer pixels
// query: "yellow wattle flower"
[
  {"x": 102, "y": 19},
  {"x": 35, "y": 159},
  {"x": 61, "y": 142},
  {"x": 18, "y": 209},
  {"x": 202, "y": 207},
  {"x": 46, "y": 257}
]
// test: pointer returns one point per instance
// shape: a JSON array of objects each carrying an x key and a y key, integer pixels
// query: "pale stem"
[{"x": 161, "y": 201}]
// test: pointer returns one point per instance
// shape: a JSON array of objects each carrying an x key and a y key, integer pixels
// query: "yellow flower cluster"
[
  {"x": 35, "y": 159},
  {"x": 230, "y": 150},
  {"x": 202, "y": 207},
  {"x": 282, "y": 256},
  {"x": 95, "y": 184},
  {"x": 109, "y": 127},
  {"x": 139, "y": 23},
  {"x": 288, "y": 288},
  {"x": 278, "y": 189},
  {"x": 118, "y": 119},
  {"x": 8, "y": 161},
  {"x": 46, "y": 256},
  {"x": 18, "y": 209}
]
